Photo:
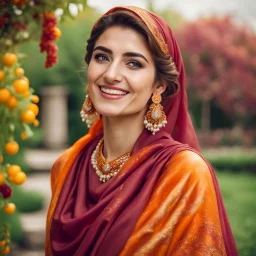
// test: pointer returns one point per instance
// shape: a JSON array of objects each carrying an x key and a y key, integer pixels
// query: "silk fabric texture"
[{"x": 164, "y": 201}]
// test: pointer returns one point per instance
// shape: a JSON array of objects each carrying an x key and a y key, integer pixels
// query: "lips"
[
  {"x": 112, "y": 90},
  {"x": 112, "y": 93}
]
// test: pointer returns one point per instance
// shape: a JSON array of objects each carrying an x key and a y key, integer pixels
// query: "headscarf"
[{"x": 87, "y": 217}]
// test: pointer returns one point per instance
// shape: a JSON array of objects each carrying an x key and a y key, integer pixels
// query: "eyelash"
[
  {"x": 137, "y": 64},
  {"x": 97, "y": 56}
]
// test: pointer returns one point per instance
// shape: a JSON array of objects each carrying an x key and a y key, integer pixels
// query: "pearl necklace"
[{"x": 104, "y": 169}]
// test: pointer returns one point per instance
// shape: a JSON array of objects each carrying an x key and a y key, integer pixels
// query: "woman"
[{"x": 136, "y": 184}]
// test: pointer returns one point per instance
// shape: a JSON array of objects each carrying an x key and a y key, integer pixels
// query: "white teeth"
[{"x": 115, "y": 92}]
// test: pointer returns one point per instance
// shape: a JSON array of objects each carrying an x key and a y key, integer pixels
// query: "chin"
[{"x": 107, "y": 112}]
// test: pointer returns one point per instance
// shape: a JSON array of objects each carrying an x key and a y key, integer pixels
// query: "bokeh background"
[{"x": 218, "y": 44}]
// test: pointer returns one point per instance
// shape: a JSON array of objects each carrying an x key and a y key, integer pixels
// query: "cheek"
[
  {"x": 91, "y": 74},
  {"x": 94, "y": 72},
  {"x": 142, "y": 83}
]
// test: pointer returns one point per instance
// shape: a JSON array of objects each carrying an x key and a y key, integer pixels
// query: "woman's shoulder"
[
  {"x": 190, "y": 158},
  {"x": 190, "y": 163}
]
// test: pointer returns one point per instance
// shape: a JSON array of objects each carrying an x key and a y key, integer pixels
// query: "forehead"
[{"x": 123, "y": 39}]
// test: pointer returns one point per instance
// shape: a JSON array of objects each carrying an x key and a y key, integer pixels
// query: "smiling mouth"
[{"x": 112, "y": 91}]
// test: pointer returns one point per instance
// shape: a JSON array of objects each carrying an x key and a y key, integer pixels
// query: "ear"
[{"x": 161, "y": 86}]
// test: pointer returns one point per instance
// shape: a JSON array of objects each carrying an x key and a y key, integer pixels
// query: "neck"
[{"x": 120, "y": 134}]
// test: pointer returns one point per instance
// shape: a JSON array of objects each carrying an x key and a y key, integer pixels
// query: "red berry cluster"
[
  {"x": 47, "y": 39},
  {"x": 4, "y": 19},
  {"x": 6, "y": 22},
  {"x": 19, "y": 26},
  {"x": 6, "y": 191}
]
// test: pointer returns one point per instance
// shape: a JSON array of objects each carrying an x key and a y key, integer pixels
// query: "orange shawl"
[{"x": 181, "y": 217}]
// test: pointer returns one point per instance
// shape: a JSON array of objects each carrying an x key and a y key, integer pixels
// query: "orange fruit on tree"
[
  {"x": 34, "y": 108},
  {"x": 2, "y": 178},
  {"x": 4, "y": 95},
  {"x": 12, "y": 147},
  {"x": 19, "y": 72},
  {"x": 1, "y": 158},
  {"x": 36, "y": 123},
  {"x": 23, "y": 135},
  {"x": 1, "y": 75},
  {"x": 25, "y": 78},
  {"x": 20, "y": 86},
  {"x": 2, "y": 243},
  {"x": 19, "y": 178},
  {"x": 9, "y": 59},
  {"x": 26, "y": 94},
  {"x": 35, "y": 99},
  {"x": 5, "y": 251},
  {"x": 57, "y": 32},
  {"x": 13, "y": 170},
  {"x": 12, "y": 102},
  {"x": 28, "y": 116},
  {"x": 9, "y": 208}
]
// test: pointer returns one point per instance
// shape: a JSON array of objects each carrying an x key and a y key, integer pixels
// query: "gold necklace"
[{"x": 104, "y": 169}]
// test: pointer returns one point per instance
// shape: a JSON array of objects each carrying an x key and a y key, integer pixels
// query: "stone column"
[{"x": 54, "y": 111}]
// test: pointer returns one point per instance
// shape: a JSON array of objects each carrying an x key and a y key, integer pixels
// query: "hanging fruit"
[{"x": 20, "y": 21}]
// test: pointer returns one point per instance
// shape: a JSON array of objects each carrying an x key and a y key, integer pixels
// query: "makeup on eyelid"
[{"x": 137, "y": 63}]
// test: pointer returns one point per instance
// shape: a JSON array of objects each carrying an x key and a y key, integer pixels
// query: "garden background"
[{"x": 220, "y": 61}]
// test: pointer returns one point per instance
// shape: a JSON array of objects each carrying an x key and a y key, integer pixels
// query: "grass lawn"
[{"x": 239, "y": 194}]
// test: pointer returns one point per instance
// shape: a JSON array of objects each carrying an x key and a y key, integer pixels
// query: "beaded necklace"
[{"x": 104, "y": 169}]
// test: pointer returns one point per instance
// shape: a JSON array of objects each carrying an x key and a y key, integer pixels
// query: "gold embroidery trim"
[{"x": 143, "y": 14}]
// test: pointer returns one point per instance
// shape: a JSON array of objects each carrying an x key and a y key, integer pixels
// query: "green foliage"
[
  {"x": 234, "y": 162},
  {"x": 239, "y": 193},
  {"x": 21, "y": 22},
  {"x": 218, "y": 118},
  {"x": 27, "y": 201},
  {"x": 71, "y": 65},
  {"x": 172, "y": 17},
  {"x": 36, "y": 140},
  {"x": 14, "y": 222},
  {"x": 70, "y": 70},
  {"x": 18, "y": 159}
]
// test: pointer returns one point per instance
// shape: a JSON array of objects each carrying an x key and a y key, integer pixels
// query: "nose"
[{"x": 114, "y": 73}]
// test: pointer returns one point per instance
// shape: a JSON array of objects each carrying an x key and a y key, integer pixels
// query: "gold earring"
[
  {"x": 88, "y": 112},
  {"x": 155, "y": 118}
]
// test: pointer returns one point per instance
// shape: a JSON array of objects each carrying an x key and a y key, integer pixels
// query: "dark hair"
[{"x": 165, "y": 67}]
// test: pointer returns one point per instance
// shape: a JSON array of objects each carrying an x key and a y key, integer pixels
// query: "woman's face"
[{"x": 121, "y": 73}]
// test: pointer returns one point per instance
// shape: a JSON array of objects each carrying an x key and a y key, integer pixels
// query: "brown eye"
[
  {"x": 134, "y": 64},
  {"x": 101, "y": 57}
]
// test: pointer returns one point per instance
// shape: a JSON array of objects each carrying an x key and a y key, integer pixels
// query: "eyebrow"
[{"x": 127, "y": 54}]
